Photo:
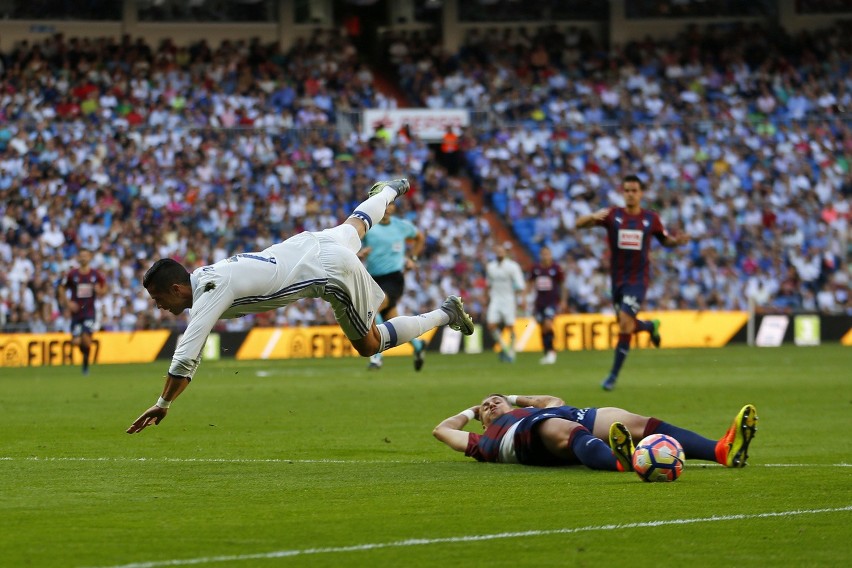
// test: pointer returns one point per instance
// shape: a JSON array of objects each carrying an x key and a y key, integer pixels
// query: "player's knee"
[
  {"x": 367, "y": 351},
  {"x": 367, "y": 346},
  {"x": 556, "y": 433}
]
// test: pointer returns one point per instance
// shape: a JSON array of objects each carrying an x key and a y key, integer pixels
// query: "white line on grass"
[
  {"x": 198, "y": 460},
  {"x": 332, "y": 461},
  {"x": 471, "y": 538}
]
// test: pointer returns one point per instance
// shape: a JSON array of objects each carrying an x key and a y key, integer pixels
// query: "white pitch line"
[
  {"x": 333, "y": 461},
  {"x": 198, "y": 460},
  {"x": 471, "y": 538}
]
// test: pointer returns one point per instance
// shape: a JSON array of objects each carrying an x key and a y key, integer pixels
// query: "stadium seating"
[{"x": 198, "y": 152}]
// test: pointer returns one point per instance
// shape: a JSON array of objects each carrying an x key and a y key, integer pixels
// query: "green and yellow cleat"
[
  {"x": 733, "y": 447},
  {"x": 622, "y": 446},
  {"x": 400, "y": 186},
  {"x": 655, "y": 333},
  {"x": 459, "y": 319}
]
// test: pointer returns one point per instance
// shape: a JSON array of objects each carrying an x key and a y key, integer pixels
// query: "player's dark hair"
[
  {"x": 634, "y": 178},
  {"x": 503, "y": 396},
  {"x": 164, "y": 273}
]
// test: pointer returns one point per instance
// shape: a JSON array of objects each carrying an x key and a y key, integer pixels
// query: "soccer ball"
[{"x": 658, "y": 458}]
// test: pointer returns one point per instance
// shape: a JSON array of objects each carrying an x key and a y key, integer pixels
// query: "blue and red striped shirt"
[
  {"x": 486, "y": 446},
  {"x": 630, "y": 243},
  {"x": 548, "y": 282},
  {"x": 83, "y": 288}
]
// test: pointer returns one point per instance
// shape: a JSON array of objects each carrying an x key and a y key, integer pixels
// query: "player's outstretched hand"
[
  {"x": 153, "y": 415},
  {"x": 601, "y": 214}
]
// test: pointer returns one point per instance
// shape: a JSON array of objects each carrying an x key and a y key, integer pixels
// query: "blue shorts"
[
  {"x": 628, "y": 298},
  {"x": 79, "y": 327},
  {"x": 545, "y": 313},
  {"x": 529, "y": 448}
]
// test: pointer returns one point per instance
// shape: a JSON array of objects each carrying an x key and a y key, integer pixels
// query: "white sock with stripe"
[
  {"x": 373, "y": 209},
  {"x": 403, "y": 329}
]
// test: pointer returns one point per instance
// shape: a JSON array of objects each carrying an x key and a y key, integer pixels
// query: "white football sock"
[
  {"x": 403, "y": 329},
  {"x": 498, "y": 339},
  {"x": 373, "y": 209}
]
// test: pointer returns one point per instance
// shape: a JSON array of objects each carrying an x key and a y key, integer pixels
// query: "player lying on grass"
[
  {"x": 545, "y": 431},
  {"x": 321, "y": 264}
]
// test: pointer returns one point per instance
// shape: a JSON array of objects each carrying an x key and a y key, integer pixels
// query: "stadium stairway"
[
  {"x": 383, "y": 82},
  {"x": 388, "y": 87}
]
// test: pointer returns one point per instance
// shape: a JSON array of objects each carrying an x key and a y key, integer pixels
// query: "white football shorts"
[
  {"x": 501, "y": 311},
  {"x": 353, "y": 294}
]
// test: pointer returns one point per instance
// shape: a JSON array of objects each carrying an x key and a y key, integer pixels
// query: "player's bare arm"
[
  {"x": 538, "y": 400},
  {"x": 675, "y": 240},
  {"x": 563, "y": 299},
  {"x": 451, "y": 430},
  {"x": 414, "y": 246},
  {"x": 64, "y": 301},
  {"x": 154, "y": 415},
  {"x": 589, "y": 220}
]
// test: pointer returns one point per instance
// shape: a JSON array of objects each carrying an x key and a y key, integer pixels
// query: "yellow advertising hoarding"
[
  {"x": 572, "y": 332},
  {"x": 301, "y": 342},
  {"x": 47, "y": 349},
  {"x": 576, "y": 332}
]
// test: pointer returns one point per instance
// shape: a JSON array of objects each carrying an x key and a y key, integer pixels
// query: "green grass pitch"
[{"x": 322, "y": 463}]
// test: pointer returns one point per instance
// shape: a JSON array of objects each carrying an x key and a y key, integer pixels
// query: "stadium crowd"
[
  {"x": 744, "y": 142},
  {"x": 197, "y": 153},
  {"x": 194, "y": 153}
]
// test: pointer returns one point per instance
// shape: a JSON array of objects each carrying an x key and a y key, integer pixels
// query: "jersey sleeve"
[
  {"x": 657, "y": 228},
  {"x": 608, "y": 220},
  {"x": 519, "y": 278},
  {"x": 472, "y": 450},
  {"x": 207, "y": 308},
  {"x": 410, "y": 230}
]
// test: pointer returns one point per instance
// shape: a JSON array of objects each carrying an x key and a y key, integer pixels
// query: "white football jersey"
[
  {"x": 505, "y": 278},
  {"x": 308, "y": 265}
]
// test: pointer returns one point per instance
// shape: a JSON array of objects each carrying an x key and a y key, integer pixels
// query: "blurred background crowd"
[{"x": 198, "y": 152}]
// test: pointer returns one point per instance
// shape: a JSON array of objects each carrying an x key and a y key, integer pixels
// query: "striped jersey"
[
  {"x": 547, "y": 281},
  {"x": 486, "y": 446},
  {"x": 629, "y": 239},
  {"x": 83, "y": 289}
]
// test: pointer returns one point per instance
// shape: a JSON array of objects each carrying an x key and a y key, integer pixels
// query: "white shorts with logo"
[
  {"x": 353, "y": 294},
  {"x": 501, "y": 311}
]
